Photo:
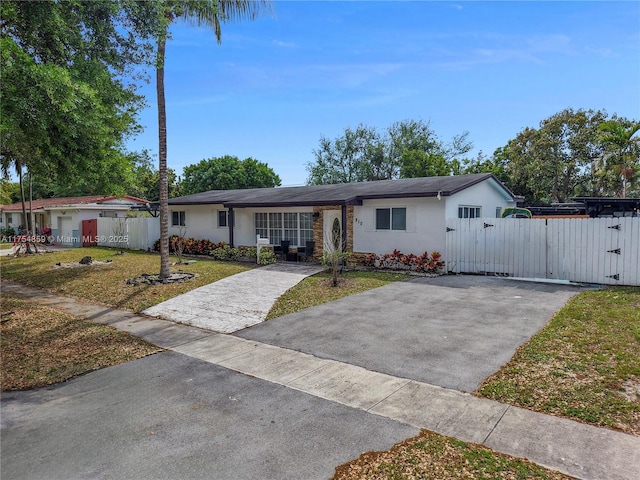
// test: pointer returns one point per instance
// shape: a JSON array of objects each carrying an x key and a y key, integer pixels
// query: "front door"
[
  {"x": 332, "y": 230},
  {"x": 65, "y": 230}
]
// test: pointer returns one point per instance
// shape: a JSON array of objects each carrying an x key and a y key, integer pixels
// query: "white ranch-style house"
[{"x": 371, "y": 217}]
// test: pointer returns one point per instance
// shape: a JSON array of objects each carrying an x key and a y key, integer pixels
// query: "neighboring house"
[
  {"x": 378, "y": 217},
  {"x": 64, "y": 216}
]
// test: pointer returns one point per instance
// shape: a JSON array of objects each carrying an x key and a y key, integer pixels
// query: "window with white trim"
[
  {"x": 306, "y": 227},
  {"x": 178, "y": 219},
  {"x": 391, "y": 218},
  {"x": 277, "y": 226},
  {"x": 469, "y": 211},
  {"x": 222, "y": 218},
  {"x": 291, "y": 227},
  {"x": 262, "y": 224}
]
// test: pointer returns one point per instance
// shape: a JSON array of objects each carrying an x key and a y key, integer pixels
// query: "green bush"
[
  {"x": 225, "y": 252},
  {"x": 191, "y": 246},
  {"x": 248, "y": 252},
  {"x": 7, "y": 232},
  {"x": 267, "y": 257}
]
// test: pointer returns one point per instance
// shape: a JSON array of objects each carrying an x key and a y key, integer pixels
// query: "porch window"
[
  {"x": 275, "y": 228},
  {"x": 291, "y": 227},
  {"x": 178, "y": 219},
  {"x": 391, "y": 218},
  {"x": 262, "y": 225},
  {"x": 306, "y": 227},
  {"x": 9, "y": 218},
  {"x": 278, "y": 226},
  {"x": 465, "y": 211}
]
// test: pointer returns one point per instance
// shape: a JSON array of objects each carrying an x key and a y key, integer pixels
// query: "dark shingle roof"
[{"x": 337, "y": 194}]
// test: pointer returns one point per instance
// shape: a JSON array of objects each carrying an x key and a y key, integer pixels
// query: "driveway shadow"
[{"x": 451, "y": 331}]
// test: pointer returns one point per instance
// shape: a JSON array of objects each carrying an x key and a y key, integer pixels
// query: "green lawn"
[
  {"x": 106, "y": 284},
  {"x": 584, "y": 365},
  {"x": 316, "y": 289}
]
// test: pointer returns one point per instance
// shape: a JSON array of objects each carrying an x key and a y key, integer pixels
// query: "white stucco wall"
[
  {"x": 72, "y": 235},
  {"x": 426, "y": 219},
  {"x": 425, "y": 227},
  {"x": 16, "y": 220},
  {"x": 201, "y": 222},
  {"x": 488, "y": 195}
]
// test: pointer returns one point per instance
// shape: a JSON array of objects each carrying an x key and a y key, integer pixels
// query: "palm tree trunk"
[
  {"x": 32, "y": 228},
  {"x": 22, "y": 198},
  {"x": 162, "y": 153}
]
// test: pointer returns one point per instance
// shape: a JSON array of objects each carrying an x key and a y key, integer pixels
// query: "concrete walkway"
[
  {"x": 574, "y": 448},
  {"x": 235, "y": 302}
]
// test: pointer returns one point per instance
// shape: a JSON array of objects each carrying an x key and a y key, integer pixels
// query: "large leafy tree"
[
  {"x": 409, "y": 148},
  {"x": 133, "y": 173},
  {"x": 65, "y": 106},
  {"x": 210, "y": 13},
  {"x": 552, "y": 163},
  {"x": 496, "y": 164},
  {"x": 226, "y": 173},
  {"x": 356, "y": 156},
  {"x": 8, "y": 191}
]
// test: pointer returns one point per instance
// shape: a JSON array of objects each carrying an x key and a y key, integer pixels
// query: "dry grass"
[
  {"x": 432, "y": 456},
  {"x": 41, "y": 346},
  {"x": 584, "y": 365},
  {"x": 105, "y": 284}
]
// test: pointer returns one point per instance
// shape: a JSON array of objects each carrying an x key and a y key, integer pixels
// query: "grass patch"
[
  {"x": 106, "y": 283},
  {"x": 433, "y": 456},
  {"x": 584, "y": 365},
  {"x": 316, "y": 290},
  {"x": 41, "y": 346}
]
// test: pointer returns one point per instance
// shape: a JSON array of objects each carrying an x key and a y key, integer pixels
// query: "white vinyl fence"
[
  {"x": 588, "y": 250},
  {"x": 134, "y": 233}
]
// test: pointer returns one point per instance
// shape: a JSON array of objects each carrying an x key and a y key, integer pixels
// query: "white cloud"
[
  {"x": 280, "y": 43},
  {"x": 600, "y": 52}
]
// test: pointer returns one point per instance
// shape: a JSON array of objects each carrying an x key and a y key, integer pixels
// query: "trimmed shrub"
[
  {"x": 267, "y": 256},
  {"x": 396, "y": 260}
]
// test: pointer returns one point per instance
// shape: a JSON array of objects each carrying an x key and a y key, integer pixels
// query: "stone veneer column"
[{"x": 318, "y": 228}]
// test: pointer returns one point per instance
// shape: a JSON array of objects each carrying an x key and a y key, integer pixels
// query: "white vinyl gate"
[
  {"x": 589, "y": 250},
  {"x": 133, "y": 233}
]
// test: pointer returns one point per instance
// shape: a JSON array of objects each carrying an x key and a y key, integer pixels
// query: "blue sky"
[{"x": 276, "y": 85}]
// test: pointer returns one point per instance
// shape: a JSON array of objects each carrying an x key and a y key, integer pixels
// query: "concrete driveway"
[{"x": 451, "y": 331}]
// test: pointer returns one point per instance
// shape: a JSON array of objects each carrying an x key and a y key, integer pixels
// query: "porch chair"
[
  {"x": 307, "y": 250},
  {"x": 282, "y": 250}
]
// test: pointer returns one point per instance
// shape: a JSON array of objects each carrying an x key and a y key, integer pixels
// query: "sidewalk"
[{"x": 574, "y": 448}]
